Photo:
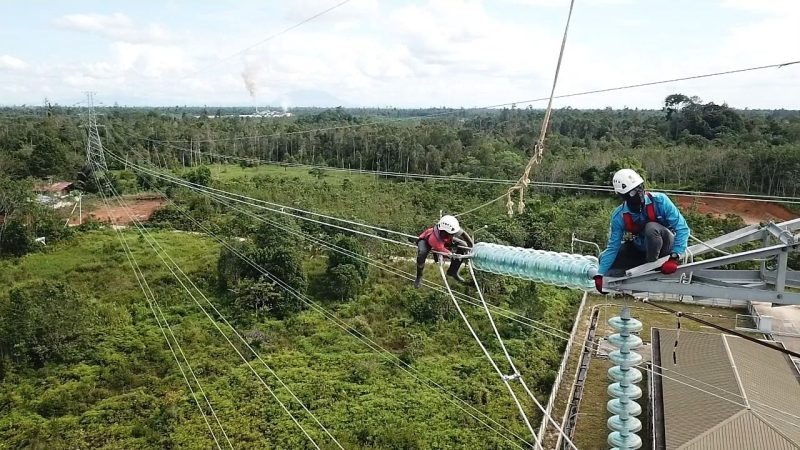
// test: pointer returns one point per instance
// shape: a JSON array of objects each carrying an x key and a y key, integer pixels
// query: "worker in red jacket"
[{"x": 442, "y": 238}]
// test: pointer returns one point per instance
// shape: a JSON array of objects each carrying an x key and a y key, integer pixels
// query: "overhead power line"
[
  {"x": 500, "y": 105},
  {"x": 217, "y": 198},
  {"x": 271, "y": 37},
  {"x": 458, "y": 178},
  {"x": 724, "y": 330}
]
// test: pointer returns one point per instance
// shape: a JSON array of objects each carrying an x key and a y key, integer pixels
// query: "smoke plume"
[{"x": 249, "y": 75}]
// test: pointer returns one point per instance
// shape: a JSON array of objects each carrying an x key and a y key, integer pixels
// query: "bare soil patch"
[
  {"x": 750, "y": 211},
  {"x": 140, "y": 209}
]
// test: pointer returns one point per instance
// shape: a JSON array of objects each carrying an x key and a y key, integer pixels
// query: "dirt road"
[
  {"x": 751, "y": 212},
  {"x": 141, "y": 209}
]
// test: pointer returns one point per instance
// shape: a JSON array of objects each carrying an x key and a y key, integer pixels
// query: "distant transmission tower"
[{"x": 94, "y": 147}]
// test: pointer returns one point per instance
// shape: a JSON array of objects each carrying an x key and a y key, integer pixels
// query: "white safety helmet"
[
  {"x": 625, "y": 180},
  {"x": 449, "y": 224}
]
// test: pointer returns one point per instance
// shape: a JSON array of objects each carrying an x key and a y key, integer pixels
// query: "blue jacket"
[{"x": 667, "y": 214}]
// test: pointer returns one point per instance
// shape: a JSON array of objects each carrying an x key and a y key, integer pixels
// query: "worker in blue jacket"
[{"x": 657, "y": 227}]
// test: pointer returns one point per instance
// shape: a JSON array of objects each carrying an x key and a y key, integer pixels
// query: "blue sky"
[{"x": 395, "y": 53}]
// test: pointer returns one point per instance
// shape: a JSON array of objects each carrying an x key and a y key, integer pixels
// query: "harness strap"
[{"x": 635, "y": 228}]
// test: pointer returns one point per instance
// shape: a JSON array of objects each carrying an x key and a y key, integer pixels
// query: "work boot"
[
  {"x": 418, "y": 279},
  {"x": 456, "y": 276}
]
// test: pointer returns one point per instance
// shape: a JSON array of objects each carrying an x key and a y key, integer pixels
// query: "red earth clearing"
[
  {"x": 751, "y": 212},
  {"x": 142, "y": 209}
]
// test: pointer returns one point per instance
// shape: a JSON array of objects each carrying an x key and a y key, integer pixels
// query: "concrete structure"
[{"x": 721, "y": 392}]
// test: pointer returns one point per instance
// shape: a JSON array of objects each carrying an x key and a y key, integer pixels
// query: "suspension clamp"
[{"x": 511, "y": 377}]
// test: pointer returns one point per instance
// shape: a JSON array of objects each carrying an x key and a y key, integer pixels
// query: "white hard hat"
[
  {"x": 449, "y": 224},
  {"x": 625, "y": 180}
]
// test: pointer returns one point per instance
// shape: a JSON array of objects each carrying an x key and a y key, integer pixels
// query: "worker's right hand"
[{"x": 598, "y": 283}]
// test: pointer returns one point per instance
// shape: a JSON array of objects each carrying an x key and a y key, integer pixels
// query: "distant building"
[
  {"x": 62, "y": 188},
  {"x": 267, "y": 114},
  {"x": 722, "y": 392}
]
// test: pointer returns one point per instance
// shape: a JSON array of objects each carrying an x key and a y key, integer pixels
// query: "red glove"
[
  {"x": 670, "y": 266},
  {"x": 598, "y": 283}
]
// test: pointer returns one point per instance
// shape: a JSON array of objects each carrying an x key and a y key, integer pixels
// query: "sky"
[{"x": 395, "y": 53}]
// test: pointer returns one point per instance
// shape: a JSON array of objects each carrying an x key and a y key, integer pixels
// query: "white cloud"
[
  {"x": 416, "y": 53},
  {"x": 763, "y": 6},
  {"x": 117, "y": 26},
  {"x": 12, "y": 63},
  {"x": 565, "y": 3},
  {"x": 298, "y": 10}
]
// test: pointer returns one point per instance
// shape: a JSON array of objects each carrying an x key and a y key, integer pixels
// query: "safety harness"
[{"x": 635, "y": 228}]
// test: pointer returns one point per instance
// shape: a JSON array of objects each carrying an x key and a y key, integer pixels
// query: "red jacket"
[{"x": 437, "y": 242}]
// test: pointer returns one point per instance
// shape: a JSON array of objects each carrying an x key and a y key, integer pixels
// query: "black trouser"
[
  {"x": 423, "y": 249},
  {"x": 658, "y": 242}
]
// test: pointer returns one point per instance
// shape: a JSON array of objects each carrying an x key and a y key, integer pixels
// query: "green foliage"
[
  {"x": 200, "y": 175},
  {"x": 45, "y": 322},
  {"x": 24, "y": 220},
  {"x": 344, "y": 281},
  {"x": 427, "y": 307},
  {"x": 353, "y": 246},
  {"x": 281, "y": 263},
  {"x": 46, "y": 158},
  {"x": 86, "y": 373},
  {"x": 258, "y": 296},
  {"x": 16, "y": 239},
  {"x": 318, "y": 173},
  {"x": 273, "y": 237},
  {"x": 345, "y": 274},
  {"x": 230, "y": 267}
]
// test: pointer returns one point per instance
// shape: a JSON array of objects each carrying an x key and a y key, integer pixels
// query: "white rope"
[
  {"x": 505, "y": 378},
  {"x": 710, "y": 247},
  {"x": 511, "y": 361},
  {"x": 371, "y": 344},
  {"x": 223, "y": 198},
  {"x": 511, "y": 315},
  {"x": 429, "y": 383},
  {"x": 538, "y": 149},
  {"x": 784, "y": 412}
]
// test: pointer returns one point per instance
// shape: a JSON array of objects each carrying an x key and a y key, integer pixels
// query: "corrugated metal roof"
[
  {"x": 689, "y": 412},
  {"x": 768, "y": 379},
  {"x": 732, "y": 374},
  {"x": 60, "y": 186},
  {"x": 742, "y": 431}
]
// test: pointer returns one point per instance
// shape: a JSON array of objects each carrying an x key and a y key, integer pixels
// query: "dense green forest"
[
  {"x": 688, "y": 144},
  {"x": 83, "y": 363}
]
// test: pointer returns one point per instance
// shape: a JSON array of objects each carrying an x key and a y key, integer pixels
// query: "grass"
[
  {"x": 355, "y": 391},
  {"x": 94, "y": 260},
  {"x": 226, "y": 172}
]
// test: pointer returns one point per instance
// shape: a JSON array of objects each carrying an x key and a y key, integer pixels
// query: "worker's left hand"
[
  {"x": 598, "y": 283},
  {"x": 670, "y": 266}
]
